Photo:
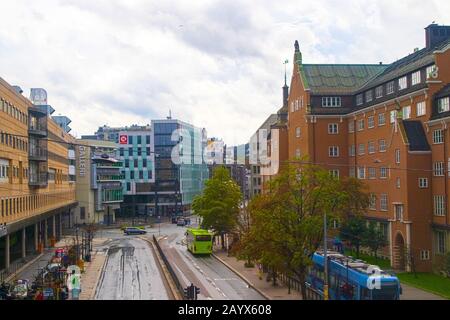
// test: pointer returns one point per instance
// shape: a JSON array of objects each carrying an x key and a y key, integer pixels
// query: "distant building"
[
  {"x": 99, "y": 181},
  {"x": 153, "y": 185}
]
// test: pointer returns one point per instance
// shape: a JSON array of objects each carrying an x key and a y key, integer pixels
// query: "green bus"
[{"x": 199, "y": 241}]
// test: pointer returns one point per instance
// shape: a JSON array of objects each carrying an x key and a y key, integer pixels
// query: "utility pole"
[{"x": 325, "y": 258}]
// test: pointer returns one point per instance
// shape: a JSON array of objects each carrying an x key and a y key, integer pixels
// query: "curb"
[
  {"x": 94, "y": 292},
  {"x": 267, "y": 297},
  {"x": 10, "y": 277},
  {"x": 167, "y": 276}
]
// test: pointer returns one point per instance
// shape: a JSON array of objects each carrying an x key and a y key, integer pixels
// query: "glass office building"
[{"x": 180, "y": 168}]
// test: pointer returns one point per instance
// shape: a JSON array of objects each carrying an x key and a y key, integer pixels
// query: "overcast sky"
[{"x": 216, "y": 64}]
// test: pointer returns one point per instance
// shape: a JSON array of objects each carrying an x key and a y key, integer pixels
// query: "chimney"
[{"x": 435, "y": 34}]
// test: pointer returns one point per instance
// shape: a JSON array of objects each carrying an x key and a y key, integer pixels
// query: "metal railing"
[
  {"x": 38, "y": 178},
  {"x": 37, "y": 152},
  {"x": 169, "y": 267},
  {"x": 14, "y": 267}
]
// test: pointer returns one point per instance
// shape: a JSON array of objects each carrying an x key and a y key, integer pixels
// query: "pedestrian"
[{"x": 39, "y": 295}]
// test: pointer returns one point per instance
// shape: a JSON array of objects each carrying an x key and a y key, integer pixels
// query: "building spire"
[
  {"x": 285, "y": 87},
  {"x": 297, "y": 53}
]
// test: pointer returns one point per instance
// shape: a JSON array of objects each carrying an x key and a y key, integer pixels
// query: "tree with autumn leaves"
[
  {"x": 287, "y": 223},
  {"x": 219, "y": 204}
]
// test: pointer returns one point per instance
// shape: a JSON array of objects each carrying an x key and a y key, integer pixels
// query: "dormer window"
[
  {"x": 331, "y": 102},
  {"x": 359, "y": 99},
  {"x": 379, "y": 92},
  {"x": 390, "y": 87},
  {"x": 402, "y": 83},
  {"x": 416, "y": 78},
  {"x": 368, "y": 96},
  {"x": 444, "y": 105},
  {"x": 430, "y": 70}
]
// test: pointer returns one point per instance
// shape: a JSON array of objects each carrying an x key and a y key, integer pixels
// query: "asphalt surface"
[
  {"x": 130, "y": 272},
  {"x": 214, "y": 279}
]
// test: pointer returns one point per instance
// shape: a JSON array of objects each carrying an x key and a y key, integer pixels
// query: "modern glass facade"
[{"x": 180, "y": 168}]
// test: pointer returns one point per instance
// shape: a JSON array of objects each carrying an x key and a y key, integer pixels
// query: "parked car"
[
  {"x": 134, "y": 230},
  {"x": 181, "y": 222},
  {"x": 174, "y": 220}
]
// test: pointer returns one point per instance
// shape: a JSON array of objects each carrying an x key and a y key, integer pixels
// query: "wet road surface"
[
  {"x": 214, "y": 279},
  {"x": 130, "y": 272}
]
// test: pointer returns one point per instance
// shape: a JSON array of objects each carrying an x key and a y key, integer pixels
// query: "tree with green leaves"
[
  {"x": 287, "y": 222},
  {"x": 353, "y": 230},
  {"x": 219, "y": 203},
  {"x": 374, "y": 239}
]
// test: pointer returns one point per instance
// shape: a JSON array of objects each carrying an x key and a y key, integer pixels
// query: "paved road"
[
  {"x": 130, "y": 272},
  {"x": 213, "y": 278}
]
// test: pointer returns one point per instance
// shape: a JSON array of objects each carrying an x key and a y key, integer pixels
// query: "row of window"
[
  {"x": 13, "y": 141},
  {"x": 389, "y": 88},
  {"x": 371, "y": 147},
  {"x": 132, "y": 152},
  {"x": 297, "y": 104},
  {"x": 331, "y": 102},
  {"x": 383, "y": 202},
  {"x": 406, "y": 114},
  {"x": 14, "y": 112},
  {"x": 5, "y": 172},
  {"x": 140, "y": 174},
  {"x": 136, "y": 163},
  {"x": 15, "y": 205},
  {"x": 139, "y": 139},
  {"x": 360, "y": 172}
]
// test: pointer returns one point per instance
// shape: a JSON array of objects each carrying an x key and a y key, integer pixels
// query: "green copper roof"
[{"x": 338, "y": 78}]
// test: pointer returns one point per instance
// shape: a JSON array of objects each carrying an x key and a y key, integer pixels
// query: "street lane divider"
[
  {"x": 242, "y": 277},
  {"x": 169, "y": 274}
]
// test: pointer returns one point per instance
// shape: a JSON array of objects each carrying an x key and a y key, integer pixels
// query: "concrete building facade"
[
  {"x": 37, "y": 190},
  {"x": 99, "y": 182}
]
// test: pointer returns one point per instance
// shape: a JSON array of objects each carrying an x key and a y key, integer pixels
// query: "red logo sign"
[{"x": 123, "y": 139}]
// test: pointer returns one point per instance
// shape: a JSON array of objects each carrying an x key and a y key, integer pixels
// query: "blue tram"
[{"x": 351, "y": 279}]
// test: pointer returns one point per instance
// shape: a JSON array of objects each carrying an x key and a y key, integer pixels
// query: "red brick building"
[{"x": 387, "y": 125}]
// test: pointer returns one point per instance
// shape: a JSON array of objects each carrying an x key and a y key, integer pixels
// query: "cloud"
[{"x": 217, "y": 64}]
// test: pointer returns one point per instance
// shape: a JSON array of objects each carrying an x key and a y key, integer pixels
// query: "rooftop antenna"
[{"x": 170, "y": 115}]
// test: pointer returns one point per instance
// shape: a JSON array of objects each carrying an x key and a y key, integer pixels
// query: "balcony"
[
  {"x": 105, "y": 178},
  {"x": 38, "y": 179},
  {"x": 37, "y": 129},
  {"x": 37, "y": 153}
]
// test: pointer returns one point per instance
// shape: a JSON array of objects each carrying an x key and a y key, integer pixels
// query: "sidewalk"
[
  {"x": 250, "y": 275},
  {"x": 91, "y": 276},
  {"x": 412, "y": 293},
  {"x": 30, "y": 270}
]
